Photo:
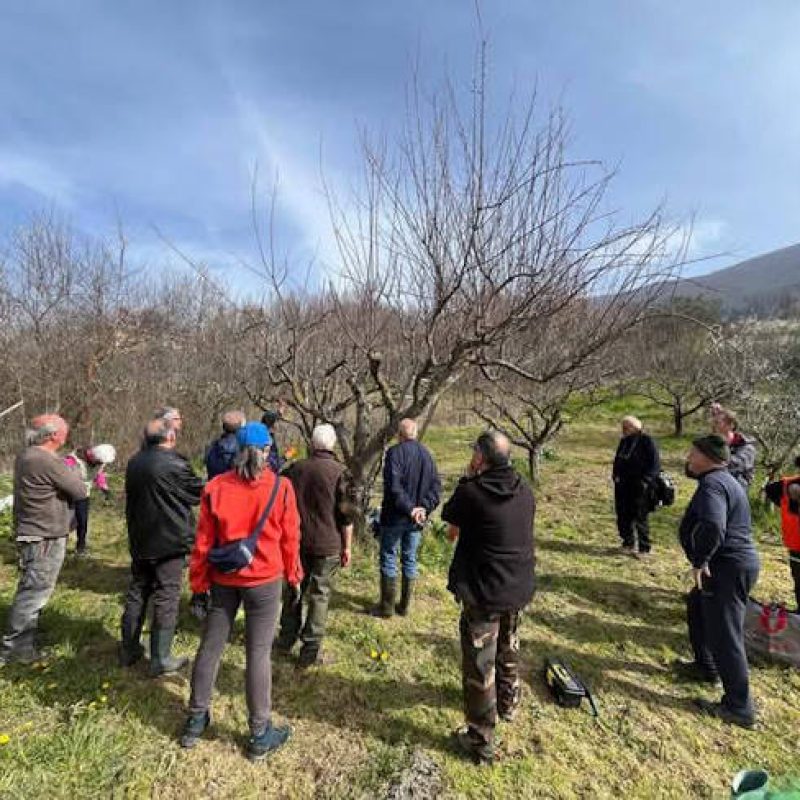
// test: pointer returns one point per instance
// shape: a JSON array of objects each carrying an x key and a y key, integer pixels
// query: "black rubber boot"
[
  {"x": 385, "y": 608},
  {"x": 406, "y": 594},
  {"x": 130, "y": 653},
  {"x": 162, "y": 662}
]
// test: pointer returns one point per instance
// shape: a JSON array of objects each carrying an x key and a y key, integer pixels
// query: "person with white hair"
[
  {"x": 636, "y": 466},
  {"x": 43, "y": 487},
  {"x": 327, "y": 505},
  {"x": 222, "y": 451}
]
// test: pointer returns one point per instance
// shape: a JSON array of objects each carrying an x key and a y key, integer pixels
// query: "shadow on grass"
[
  {"x": 346, "y": 601},
  {"x": 94, "y": 575},
  {"x": 573, "y": 548},
  {"x": 652, "y": 604},
  {"x": 83, "y": 670}
]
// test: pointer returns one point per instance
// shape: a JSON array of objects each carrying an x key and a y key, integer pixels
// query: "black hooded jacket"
[
  {"x": 493, "y": 565},
  {"x": 160, "y": 490}
]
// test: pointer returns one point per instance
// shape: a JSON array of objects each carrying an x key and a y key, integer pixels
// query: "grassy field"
[{"x": 78, "y": 726}]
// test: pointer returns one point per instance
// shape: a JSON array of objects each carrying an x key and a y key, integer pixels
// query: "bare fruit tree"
[{"x": 464, "y": 237}]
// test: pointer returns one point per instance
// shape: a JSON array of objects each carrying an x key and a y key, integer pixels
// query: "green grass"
[{"x": 81, "y": 727}]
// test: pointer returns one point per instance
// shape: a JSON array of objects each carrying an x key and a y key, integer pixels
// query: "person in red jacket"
[
  {"x": 785, "y": 493},
  {"x": 230, "y": 508}
]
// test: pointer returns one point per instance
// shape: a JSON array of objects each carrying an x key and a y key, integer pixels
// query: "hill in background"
[{"x": 764, "y": 286}]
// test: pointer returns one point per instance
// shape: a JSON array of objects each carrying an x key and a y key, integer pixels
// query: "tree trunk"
[
  {"x": 677, "y": 417},
  {"x": 534, "y": 462}
]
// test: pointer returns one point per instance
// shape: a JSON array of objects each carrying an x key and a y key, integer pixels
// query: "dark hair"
[
  {"x": 492, "y": 447},
  {"x": 269, "y": 418}
]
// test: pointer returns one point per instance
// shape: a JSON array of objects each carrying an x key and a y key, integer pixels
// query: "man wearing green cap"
[{"x": 716, "y": 536}]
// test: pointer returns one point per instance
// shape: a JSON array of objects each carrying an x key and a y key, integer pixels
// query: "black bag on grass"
[{"x": 565, "y": 685}]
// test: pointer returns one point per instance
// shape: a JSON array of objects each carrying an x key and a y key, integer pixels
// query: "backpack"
[
  {"x": 662, "y": 490},
  {"x": 565, "y": 685}
]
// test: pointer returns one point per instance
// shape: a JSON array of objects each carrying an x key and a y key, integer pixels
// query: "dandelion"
[
  {"x": 373, "y": 653},
  {"x": 4, "y": 739},
  {"x": 105, "y": 685},
  {"x": 384, "y": 656},
  {"x": 103, "y": 698},
  {"x": 92, "y": 704}
]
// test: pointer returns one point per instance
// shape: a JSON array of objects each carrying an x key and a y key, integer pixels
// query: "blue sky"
[{"x": 157, "y": 112}]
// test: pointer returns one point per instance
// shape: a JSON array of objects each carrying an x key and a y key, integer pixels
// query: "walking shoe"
[
  {"x": 272, "y": 738},
  {"x": 725, "y": 714},
  {"x": 82, "y": 552},
  {"x": 643, "y": 555},
  {"x": 627, "y": 550},
  {"x": 162, "y": 662},
  {"x": 25, "y": 657},
  {"x": 385, "y": 607},
  {"x": 692, "y": 672},
  {"x": 406, "y": 595},
  {"x": 193, "y": 729},
  {"x": 473, "y": 746}
]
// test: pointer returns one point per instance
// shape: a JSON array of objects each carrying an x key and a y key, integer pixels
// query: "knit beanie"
[{"x": 713, "y": 446}]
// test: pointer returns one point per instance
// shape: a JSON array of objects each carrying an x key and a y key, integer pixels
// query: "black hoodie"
[{"x": 493, "y": 565}]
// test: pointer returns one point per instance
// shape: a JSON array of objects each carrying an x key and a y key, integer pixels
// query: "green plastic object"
[{"x": 750, "y": 784}]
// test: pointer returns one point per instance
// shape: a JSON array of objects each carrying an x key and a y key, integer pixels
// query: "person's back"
[
  {"x": 221, "y": 454},
  {"x": 410, "y": 481},
  {"x": 160, "y": 489},
  {"x": 318, "y": 486},
  {"x": 43, "y": 487},
  {"x": 493, "y": 565}
]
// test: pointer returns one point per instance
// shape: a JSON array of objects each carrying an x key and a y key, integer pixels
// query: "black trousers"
[
  {"x": 794, "y": 566},
  {"x": 716, "y": 630},
  {"x": 159, "y": 580},
  {"x": 632, "y": 510},
  {"x": 81, "y": 509}
]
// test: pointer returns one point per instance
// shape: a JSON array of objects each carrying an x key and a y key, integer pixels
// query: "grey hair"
[
  {"x": 323, "y": 437},
  {"x": 157, "y": 432},
  {"x": 42, "y": 434},
  {"x": 250, "y": 462}
]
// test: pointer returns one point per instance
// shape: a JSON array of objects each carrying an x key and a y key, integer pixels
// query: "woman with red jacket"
[{"x": 230, "y": 510}]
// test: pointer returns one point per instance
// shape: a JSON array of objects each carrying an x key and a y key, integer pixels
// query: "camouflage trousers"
[{"x": 489, "y": 667}]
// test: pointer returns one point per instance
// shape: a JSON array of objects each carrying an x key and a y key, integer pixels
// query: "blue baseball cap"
[{"x": 253, "y": 434}]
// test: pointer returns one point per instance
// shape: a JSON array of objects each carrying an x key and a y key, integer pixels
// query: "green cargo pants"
[
  {"x": 489, "y": 667},
  {"x": 315, "y": 589}
]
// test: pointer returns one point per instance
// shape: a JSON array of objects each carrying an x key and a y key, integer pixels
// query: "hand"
[
  {"x": 198, "y": 607},
  {"x": 419, "y": 515},
  {"x": 346, "y": 557},
  {"x": 452, "y": 533},
  {"x": 698, "y": 573},
  {"x": 293, "y": 593}
]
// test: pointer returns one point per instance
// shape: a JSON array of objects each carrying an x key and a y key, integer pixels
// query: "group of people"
[
  {"x": 716, "y": 536},
  {"x": 270, "y": 537}
]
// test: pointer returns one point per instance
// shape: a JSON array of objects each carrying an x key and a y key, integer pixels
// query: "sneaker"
[
  {"x": 473, "y": 746},
  {"x": 692, "y": 672},
  {"x": 193, "y": 729},
  {"x": 272, "y": 738},
  {"x": 719, "y": 711}
]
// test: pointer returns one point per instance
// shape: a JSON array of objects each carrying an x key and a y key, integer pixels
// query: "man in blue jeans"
[{"x": 411, "y": 491}]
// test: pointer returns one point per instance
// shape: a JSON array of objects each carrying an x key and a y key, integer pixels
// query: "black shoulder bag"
[{"x": 239, "y": 554}]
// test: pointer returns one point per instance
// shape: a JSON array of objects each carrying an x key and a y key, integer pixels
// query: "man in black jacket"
[
  {"x": 491, "y": 514},
  {"x": 160, "y": 490},
  {"x": 636, "y": 466},
  {"x": 716, "y": 536},
  {"x": 411, "y": 491}
]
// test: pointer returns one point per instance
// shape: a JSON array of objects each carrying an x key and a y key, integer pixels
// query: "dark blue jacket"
[
  {"x": 410, "y": 481},
  {"x": 716, "y": 526},
  {"x": 220, "y": 455}
]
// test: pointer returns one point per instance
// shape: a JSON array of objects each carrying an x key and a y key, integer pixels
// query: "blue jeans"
[{"x": 406, "y": 536}]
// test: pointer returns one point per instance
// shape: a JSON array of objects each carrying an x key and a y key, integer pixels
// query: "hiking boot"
[
  {"x": 162, "y": 662},
  {"x": 193, "y": 729},
  {"x": 385, "y": 607},
  {"x": 280, "y": 649},
  {"x": 473, "y": 746},
  {"x": 723, "y": 713},
  {"x": 130, "y": 653},
  {"x": 692, "y": 672},
  {"x": 272, "y": 738},
  {"x": 406, "y": 595}
]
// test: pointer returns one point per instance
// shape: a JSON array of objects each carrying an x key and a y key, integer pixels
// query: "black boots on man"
[
  {"x": 406, "y": 595},
  {"x": 385, "y": 607},
  {"x": 162, "y": 662}
]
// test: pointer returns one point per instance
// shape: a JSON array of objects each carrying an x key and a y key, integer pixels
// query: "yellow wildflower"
[
  {"x": 103, "y": 698},
  {"x": 373, "y": 653},
  {"x": 384, "y": 656},
  {"x": 4, "y": 739},
  {"x": 105, "y": 685}
]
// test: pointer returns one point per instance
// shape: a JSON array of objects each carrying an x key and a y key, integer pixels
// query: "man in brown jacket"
[
  {"x": 327, "y": 505},
  {"x": 43, "y": 488}
]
